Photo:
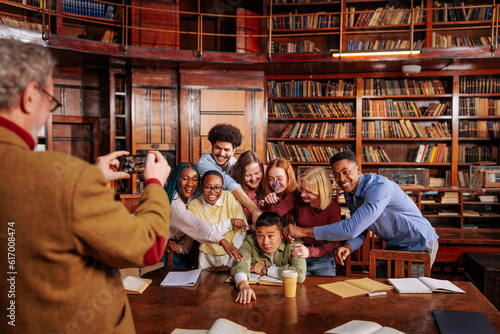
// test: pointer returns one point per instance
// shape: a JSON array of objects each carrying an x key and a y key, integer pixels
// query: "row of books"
[
  {"x": 404, "y": 129},
  {"x": 478, "y": 106},
  {"x": 388, "y": 15},
  {"x": 290, "y": 21},
  {"x": 89, "y": 8},
  {"x": 305, "y": 46},
  {"x": 478, "y": 129},
  {"x": 318, "y": 130},
  {"x": 484, "y": 85},
  {"x": 108, "y": 36},
  {"x": 310, "y": 88},
  {"x": 310, "y": 110},
  {"x": 374, "y": 155},
  {"x": 430, "y": 153},
  {"x": 463, "y": 179},
  {"x": 449, "y": 41},
  {"x": 383, "y": 45},
  {"x": 458, "y": 11},
  {"x": 296, "y": 153},
  {"x": 448, "y": 197},
  {"x": 120, "y": 105},
  {"x": 375, "y": 86},
  {"x": 390, "y": 108},
  {"x": 469, "y": 154},
  {"x": 24, "y": 24}
]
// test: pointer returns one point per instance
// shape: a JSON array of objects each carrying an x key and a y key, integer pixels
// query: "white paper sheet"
[{"x": 181, "y": 278}]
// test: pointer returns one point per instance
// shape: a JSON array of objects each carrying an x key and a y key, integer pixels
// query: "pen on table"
[
  {"x": 275, "y": 187},
  {"x": 373, "y": 294}
]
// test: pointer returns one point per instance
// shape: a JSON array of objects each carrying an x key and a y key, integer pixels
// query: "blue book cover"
[{"x": 463, "y": 322}]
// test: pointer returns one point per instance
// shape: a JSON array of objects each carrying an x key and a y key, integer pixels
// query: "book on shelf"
[
  {"x": 463, "y": 322},
  {"x": 135, "y": 285},
  {"x": 447, "y": 213},
  {"x": 423, "y": 285},
  {"x": 259, "y": 279},
  {"x": 436, "y": 182},
  {"x": 220, "y": 326},
  {"x": 362, "y": 327},
  {"x": 489, "y": 214},
  {"x": 488, "y": 198},
  {"x": 354, "y": 287},
  {"x": 108, "y": 36}
]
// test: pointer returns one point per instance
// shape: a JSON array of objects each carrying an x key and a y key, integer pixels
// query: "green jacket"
[{"x": 282, "y": 258}]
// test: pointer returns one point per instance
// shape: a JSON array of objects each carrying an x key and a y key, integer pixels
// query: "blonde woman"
[{"x": 313, "y": 204}]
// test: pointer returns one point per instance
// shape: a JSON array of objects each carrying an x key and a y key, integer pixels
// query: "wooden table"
[{"x": 314, "y": 310}]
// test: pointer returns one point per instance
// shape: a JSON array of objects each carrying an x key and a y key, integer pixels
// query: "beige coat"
[{"x": 69, "y": 235}]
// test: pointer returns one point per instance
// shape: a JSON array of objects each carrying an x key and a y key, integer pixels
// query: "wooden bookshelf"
[{"x": 391, "y": 120}]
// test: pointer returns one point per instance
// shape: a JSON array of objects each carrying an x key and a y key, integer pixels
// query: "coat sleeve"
[{"x": 105, "y": 230}]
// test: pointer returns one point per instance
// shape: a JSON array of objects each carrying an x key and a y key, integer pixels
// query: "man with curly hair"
[{"x": 225, "y": 138}]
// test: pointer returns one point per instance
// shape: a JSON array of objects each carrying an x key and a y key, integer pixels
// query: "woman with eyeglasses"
[
  {"x": 279, "y": 181},
  {"x": 181, "y": 188},
  {"x": 222, "y": 210},
  {"x": 314, "y": 206}
]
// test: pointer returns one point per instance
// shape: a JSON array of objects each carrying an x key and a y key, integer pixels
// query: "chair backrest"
[{"x": 399, "y": 259}]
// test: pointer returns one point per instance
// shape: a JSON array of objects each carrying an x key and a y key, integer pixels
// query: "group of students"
[
  {"x": 232, "y": 235},
  {"x": 204, "y": 209},
  {"x": 64, "y": 224}
]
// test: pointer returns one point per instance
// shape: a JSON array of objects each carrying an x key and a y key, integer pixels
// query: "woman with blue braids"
[{"x": 181, "y": 187}]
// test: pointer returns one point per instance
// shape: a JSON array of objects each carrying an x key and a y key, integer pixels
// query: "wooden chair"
[
  {"x": 358, "y": 262},
  {"x": 399, "y": 259}
]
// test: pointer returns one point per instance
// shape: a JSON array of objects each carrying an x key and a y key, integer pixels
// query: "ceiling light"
[
  {"x": 377, "y": 53},
  {"x": 411, "y": 69}
]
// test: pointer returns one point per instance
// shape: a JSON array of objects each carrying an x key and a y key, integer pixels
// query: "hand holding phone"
[
  {"x": 133, "y": 164},
  {"x": 109, "y": 166}
]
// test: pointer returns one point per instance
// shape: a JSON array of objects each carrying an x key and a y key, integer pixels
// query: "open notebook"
[{"x": 424, "y": 285}]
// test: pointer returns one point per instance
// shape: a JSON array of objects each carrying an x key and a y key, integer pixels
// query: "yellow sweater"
[{"x": 226, "y": 207}]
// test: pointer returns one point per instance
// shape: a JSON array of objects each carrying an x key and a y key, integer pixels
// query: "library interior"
[{"x": 411, "y": 87}]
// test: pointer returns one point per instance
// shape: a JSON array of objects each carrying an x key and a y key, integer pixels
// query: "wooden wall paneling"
[
  {"x": 155, "y": 19},
  {"x": 189, "y": 115},
  {"x": 220, "y": 100},
  {"x": 76, "y": 136},
  {"x": 154, "y": 109},
  {"x": 73, "y": 128},
  {"x": 246, "y": 25},
  {"x": 223, "y": 106}
]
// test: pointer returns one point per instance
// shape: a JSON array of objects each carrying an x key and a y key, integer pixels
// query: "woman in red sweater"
[
  {"x": 279, "y": 181},
  {"x": 313, "y": 206}
]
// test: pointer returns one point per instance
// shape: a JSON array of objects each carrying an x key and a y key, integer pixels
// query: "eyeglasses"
[
  {"x": 208, "y": 189},
  {"x": 54, "y": 103},
  {"x": 300, "y": 189}
]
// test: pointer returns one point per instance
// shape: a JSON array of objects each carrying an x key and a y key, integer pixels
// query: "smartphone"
[{"x": 134, "y": 164}]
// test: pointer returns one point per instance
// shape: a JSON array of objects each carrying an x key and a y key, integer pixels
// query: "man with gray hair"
[{"x": 61, "y": 233}]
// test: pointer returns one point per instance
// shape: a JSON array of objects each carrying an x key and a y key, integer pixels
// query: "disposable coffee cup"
[{"x": 289, "y": 278}]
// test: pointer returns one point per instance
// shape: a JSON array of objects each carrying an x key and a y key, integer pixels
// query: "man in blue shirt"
[
  {"x": 224, "y": 139},
  {"x": 379, "y": 205}
]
